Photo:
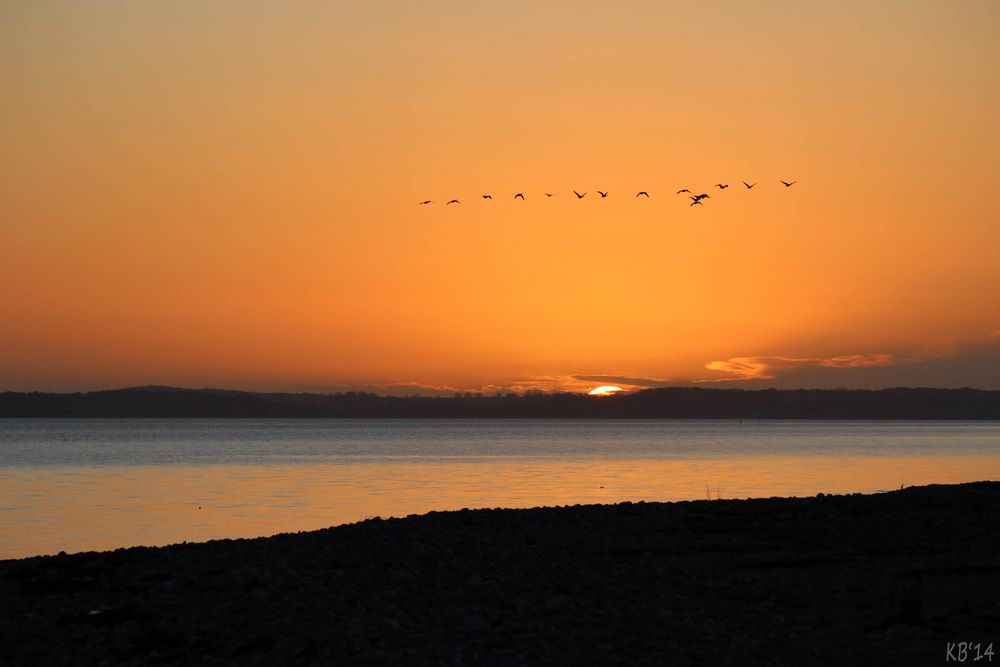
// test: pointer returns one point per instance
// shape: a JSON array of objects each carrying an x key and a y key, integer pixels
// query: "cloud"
[
  {"x": 623, "y": 381},
  {"x": 405, "y": 388},
  {"x": 966, "y": 363},
  {"x": 768, "y": 368},
  {"x": 569, "y": 383},
  {"x": 745, "y": 368},
  {"x": 542, "y": 383},
  {"x": 583, "y": 383},
  {"x": 861, "y": 360},
  {"x": 546, "y": 383},
  {"x": 414, "y": 389}
]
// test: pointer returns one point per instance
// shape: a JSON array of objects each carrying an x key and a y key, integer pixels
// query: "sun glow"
[
  {"x": 605, "y": 390},
  {"x": 144, "y": 166}
]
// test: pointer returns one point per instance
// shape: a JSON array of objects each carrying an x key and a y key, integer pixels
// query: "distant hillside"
[{"x": 667, "y": 403}]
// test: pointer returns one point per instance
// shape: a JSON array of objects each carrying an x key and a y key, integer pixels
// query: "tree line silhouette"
[{"x": 665, "y": 403}]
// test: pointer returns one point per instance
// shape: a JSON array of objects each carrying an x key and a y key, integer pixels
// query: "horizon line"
[{"x": 497, "y": 394}]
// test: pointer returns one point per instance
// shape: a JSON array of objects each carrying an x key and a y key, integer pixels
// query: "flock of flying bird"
[{"x": 696, "y": 200}]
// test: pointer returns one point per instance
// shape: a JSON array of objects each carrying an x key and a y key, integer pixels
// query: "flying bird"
[
  {"x": 682, "y": 191},
  {"x": 519, "y": 194},
  {"x": 642, "y": 193},
  {"x": 453, "y": 201},
  {"x": 426, "y": 201},
  {"x": 722, "y": 186},
  {"x": 603, "y": 194},
  {"x": 696, "y": 201},
  {"x": 578, "y": 195},
  {"x": 700, "y": 197},
  {"x": 749, "y": 185},
  {"x": 549, "y": 194},
  {"x": 787, "y": 184},
  {"x": 487, "y": 196}
]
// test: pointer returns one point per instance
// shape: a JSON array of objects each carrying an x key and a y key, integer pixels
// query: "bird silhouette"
[
  {"x": 787, "y": 184},
  {"x": 578, "y": 195},
  {"x": 603, "y": 194},
  {"x": 682, "y": 191},
  {"x": 487, "y": 196},
  {"x": 722, "y": 186},
  {"x": 700, "y": 197},
  {"x": 549, "y": 194},
  {"x": 426, "y": 201},
  {"x": 519, "y": 194},
  {"x": 453, "y": 201},
  {"x": 749, "y": 185},
  {"x": 696, "y": 201},
  {"x": 642, "y": 193}
]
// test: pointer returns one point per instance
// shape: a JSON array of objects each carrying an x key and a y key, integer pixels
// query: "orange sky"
[{"x": 225, "y": 194}]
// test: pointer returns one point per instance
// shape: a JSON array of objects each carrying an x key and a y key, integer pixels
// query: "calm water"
[{"x": 78, "y": 485}]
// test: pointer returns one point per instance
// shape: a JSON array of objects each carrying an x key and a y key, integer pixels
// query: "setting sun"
[{"x": 605, "y": 390}]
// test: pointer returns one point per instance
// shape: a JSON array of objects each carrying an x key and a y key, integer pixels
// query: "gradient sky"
[{"x": 224, "y": 194}]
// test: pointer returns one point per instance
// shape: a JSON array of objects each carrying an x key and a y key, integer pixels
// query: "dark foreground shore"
[{"x": 881, "y": 579}]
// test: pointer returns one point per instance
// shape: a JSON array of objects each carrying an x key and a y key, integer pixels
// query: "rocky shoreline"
[{"x": 891, "y": 578}]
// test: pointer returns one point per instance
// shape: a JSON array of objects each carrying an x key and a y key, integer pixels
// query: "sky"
[{"x": 225, "y": 194}]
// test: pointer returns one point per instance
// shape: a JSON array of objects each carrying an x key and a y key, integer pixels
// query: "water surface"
[{"x": 78, "y": 485}]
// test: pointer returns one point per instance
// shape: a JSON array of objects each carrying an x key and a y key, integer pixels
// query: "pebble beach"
[{"x": 891, "y": 578}]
